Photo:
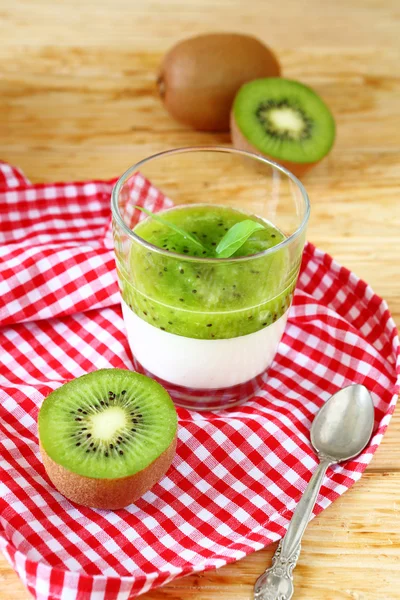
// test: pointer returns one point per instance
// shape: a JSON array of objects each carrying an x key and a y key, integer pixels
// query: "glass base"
[{"x": 206, "y": 400}]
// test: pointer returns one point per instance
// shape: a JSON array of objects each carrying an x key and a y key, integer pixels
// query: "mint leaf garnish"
[{"x": 236, "y": 236}]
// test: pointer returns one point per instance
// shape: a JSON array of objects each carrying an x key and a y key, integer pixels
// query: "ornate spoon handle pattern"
[{"x": 277, "y": 582}]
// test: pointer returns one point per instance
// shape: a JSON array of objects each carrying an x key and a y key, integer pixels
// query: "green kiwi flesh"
[
  {"x": 109, "y": 424},
  {"x": 207, "y": 299},
  {"x": 283, "y": 119}
]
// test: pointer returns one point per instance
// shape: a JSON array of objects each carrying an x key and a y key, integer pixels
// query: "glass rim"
[{"x": 223, "y": 149}]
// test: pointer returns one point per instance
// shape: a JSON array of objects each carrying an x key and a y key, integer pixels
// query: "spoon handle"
[
  {"x": 277, "y": 582},
  {"x": 302, "y": 514}
]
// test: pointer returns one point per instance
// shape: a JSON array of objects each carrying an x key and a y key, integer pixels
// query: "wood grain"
[{"x": 78, "y": 100}]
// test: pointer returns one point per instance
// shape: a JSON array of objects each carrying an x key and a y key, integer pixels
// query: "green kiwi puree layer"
[{"x": 206, "y": 299}]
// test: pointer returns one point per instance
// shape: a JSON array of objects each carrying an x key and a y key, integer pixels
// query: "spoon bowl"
[{"x": 343, "y": 426}]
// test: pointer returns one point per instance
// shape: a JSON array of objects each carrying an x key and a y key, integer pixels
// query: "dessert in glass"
[{"x": 208, "y": 245}]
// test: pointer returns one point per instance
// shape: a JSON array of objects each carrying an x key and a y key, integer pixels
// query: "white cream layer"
[{"x": 202, "y": 364}]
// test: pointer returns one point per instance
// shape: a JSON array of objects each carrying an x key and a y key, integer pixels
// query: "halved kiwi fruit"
[
  {"x": 283, "y": 120},
  {"x": 107, "y": 437}
]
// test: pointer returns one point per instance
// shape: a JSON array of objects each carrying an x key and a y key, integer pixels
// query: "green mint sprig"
[
  {"x": 177, "y": 229},
  {"x": 236, "y": 236}
]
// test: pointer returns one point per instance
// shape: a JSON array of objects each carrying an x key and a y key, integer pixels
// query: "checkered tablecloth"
[{"x": 237, "y": 474}]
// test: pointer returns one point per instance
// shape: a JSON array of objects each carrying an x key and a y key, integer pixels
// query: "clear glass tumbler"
[{"x": 207, "y": 327}]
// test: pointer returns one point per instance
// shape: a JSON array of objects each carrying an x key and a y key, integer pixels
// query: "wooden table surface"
[{"x": 77, "y": 100}]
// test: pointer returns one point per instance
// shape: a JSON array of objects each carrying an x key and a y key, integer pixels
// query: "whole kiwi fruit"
[{"x": 200, "y": 76}]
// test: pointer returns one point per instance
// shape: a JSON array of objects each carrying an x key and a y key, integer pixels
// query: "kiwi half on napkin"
[{"x": 107, "y": 437}]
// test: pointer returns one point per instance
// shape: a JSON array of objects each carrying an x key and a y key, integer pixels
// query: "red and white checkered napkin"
[{"x": 237, "y": 475}]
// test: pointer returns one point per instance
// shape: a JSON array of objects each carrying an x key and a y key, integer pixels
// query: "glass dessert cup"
[{"x": 207, "y": 327}]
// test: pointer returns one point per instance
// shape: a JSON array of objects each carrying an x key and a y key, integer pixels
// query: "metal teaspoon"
[{"x": 340, "y": 431}]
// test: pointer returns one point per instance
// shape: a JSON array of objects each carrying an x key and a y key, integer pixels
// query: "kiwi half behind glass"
[
  {"x": 283, "y": 120},
  {"x": 107, "y": 437}
]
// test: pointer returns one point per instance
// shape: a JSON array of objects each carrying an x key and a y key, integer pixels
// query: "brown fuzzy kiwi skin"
[
  {"x": 109, "y": 494},
  {"x": 241, "y": 143},
  {"x": 200, "y": 76}
]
